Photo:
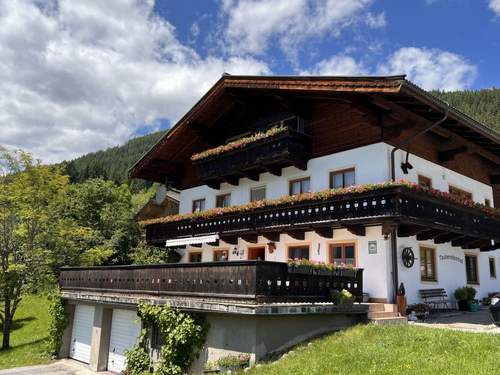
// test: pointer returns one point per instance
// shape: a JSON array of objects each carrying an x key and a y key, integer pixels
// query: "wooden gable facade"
[{"x": 338, "y": 113}]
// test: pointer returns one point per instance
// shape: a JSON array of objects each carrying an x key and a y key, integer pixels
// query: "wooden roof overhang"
[{"x": 400, "y": 101}]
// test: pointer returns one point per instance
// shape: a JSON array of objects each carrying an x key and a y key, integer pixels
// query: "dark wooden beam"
[
  {"x": 495, "y": 179},
  {"x": 447, "y": 237},
  {"x": 302, "y": 165},
  {"x": 232, "y": 180},
  {"x": 462, "y": 241},
  {"x": 409, "y": 230},
  {"x": 271, "y": 236},
  {"x": 250, "y": 237},
  {"x": 404, "y": 114},
  {"x": 213, "y": 184},
  {"x": 496, "y": 246},
  {"x": 274, "y": 170},
  {"x": 475, "y": 244},
  {"x": 449, "y": 154},
  {"x": 232, "y": 240},
  {"x": 210, "y": 136},
  {"x": 428, "y": 234},
  {"x": 325, "y": 232},
  {"x": 358, "y": 230},
  {"x": 251, "y": 175},
  {"x": 297, "y": 234}
]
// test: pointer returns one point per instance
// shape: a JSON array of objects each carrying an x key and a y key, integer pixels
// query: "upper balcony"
[
  {"x": 282, "y": 145},
  {"x": 407, "y": 207}
]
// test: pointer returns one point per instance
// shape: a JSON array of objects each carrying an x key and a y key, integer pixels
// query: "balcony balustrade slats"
[
  {"x": 383, "y": 204},
  {"x": 252, "y": 281},
  {"x": 284, "y": 149}
]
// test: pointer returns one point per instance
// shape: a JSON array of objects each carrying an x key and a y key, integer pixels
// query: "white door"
[
  {"x": 81, "y": 336},
  {"x": 125, "y": 329}
]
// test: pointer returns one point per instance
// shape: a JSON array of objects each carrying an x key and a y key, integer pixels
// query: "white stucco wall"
[
  {"x": 372, "y": 165},
  {"x": 450, "y": 273},
  {"x": 441, "y": 177},
  {"x": 369, "y": 162}
]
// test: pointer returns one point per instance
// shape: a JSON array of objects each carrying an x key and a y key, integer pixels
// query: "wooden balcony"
[
  {"x": 412, "y": 212},
  {"x": 245, "y": 281},
  {"x": 290, "y": 148}
]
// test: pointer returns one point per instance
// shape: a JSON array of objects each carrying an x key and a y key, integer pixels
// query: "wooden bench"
[{"x": 435, "y": 297}]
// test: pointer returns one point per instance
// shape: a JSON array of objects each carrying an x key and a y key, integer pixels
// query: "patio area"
[{"x": 479, "y": 322}]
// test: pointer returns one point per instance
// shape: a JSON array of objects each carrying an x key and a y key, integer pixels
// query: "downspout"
[{"x": 394, "y": 232}]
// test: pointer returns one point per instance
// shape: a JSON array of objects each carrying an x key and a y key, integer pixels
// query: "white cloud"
[
  {"x": 495, "y": 6},
  {"x": 253, "y": 24},
  {"x": 375, "y": 20},
  {"x": 80, "y": 76},
  {"x": 338, "y": 65},
  {"x": 431, "y": 68}
]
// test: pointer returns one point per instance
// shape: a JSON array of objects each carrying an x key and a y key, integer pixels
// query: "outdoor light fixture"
[{"x": 406, "y": 166}]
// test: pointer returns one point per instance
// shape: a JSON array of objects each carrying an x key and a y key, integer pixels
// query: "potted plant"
[
  {"x": 342, "y": 298},
  {"x": 465, "y": 298}
]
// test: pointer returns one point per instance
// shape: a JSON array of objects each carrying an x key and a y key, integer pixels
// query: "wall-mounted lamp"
[{"x": 406, "y": 166}]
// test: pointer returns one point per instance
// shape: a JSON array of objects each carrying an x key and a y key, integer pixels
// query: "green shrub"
[
  {"x": 59, "y": 320},
  {"x": 465, "y": 293},
  {"x": 183, "y": 335}
]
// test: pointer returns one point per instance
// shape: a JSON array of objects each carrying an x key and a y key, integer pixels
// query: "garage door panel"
[
  {"x": 125, "y": 329},
  {"x": 81, "y": 336}
]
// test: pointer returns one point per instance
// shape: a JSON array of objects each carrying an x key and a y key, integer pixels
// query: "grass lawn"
[
  {"x": 388, "y": 350},
  {"x": 29, "y": 336}
]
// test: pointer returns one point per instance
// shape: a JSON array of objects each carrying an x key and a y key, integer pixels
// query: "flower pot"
[
  {"x": 473, "y": 306},
  {"x": 463, "y": 305}
]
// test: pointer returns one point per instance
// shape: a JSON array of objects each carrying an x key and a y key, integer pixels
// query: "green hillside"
[
  {"x": 113, "y": 163},
  {"x": 482, "y": 105}
]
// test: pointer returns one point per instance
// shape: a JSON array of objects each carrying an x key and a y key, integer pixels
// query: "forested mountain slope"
[
  {"x": 482, "y": 105},
  {"x": 113, "y": 163}
]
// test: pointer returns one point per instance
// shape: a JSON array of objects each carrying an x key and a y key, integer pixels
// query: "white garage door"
[
  {"x": 81, "y": 336},
  {"x": 125, "y": 329}
]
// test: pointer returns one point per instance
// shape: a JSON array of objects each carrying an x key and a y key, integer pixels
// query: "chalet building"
[{"x": 369, "y": 172}]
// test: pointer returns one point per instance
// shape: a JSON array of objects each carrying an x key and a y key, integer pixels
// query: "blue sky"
[
  {"x": 469, "y": 28},
  {"x": 79, "y": 76}
]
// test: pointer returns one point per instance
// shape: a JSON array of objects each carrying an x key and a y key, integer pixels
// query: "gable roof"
[{"x": 388, "y": 93}]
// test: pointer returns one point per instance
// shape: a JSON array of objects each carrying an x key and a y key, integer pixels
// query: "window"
[
  {"x": 342, "y": 179},
  {"x": 493, "y": 268},
  {"x": 428, "y": 264},
  {"x": 343, "y": 254},
  {"x": 223, "y": 200},
  {"x": 195, "y": 257},
  {"x": 487, "y": 202},
  {"x": 471, "y": 269},
  {"x": 459, "y": 193},
  {"x": 302, "y": 185},
  {"x": 298, "y": 252},
  {"x": 198, "y": 205},
  {"x": 220, "y": 255},
  {"x": 156, "y": 337},
  {"x": 425, "y": 182},
  {"x": 258, "y": 193}
]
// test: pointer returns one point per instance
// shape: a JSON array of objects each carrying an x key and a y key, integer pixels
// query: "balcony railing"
[
  {"x": 393, "y": 204},
  {"x": 247, "y": 281},
  {"x": 270, "y": 154}
]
